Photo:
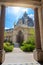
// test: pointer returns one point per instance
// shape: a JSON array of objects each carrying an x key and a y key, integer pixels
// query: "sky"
[{"x": 12, "y": 15}]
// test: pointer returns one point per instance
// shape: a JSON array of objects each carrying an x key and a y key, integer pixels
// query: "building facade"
[{"x": 20, "y": 32}]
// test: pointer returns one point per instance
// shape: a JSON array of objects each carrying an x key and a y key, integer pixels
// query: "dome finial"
[{"x": 25, "y": 14}]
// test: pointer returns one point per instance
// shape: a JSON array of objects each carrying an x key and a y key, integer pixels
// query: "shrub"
[
  {"x": 8, "y": 47},
  {"x": 28, "y": 45}
]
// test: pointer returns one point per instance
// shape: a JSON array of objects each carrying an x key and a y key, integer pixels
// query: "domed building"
[
  {"x": 21, "y": 29},
  {"x": 26, "y": 20}
]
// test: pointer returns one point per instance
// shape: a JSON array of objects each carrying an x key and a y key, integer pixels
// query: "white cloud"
[
  {"x": 15, "y": 10},
  {"x": 24, "y": 9},
  {"x": 6, "y": 28},
  {"x": 31, "y": 16},
  {"x": 9, "y": 28},
  {"x": 18, "y": 11}
]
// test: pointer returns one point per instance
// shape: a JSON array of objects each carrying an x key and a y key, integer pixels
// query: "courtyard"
[{"x": 18, "y": 57}]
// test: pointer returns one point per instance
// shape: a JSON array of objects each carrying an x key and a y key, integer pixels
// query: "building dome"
[{"x": 25, "y": 20}]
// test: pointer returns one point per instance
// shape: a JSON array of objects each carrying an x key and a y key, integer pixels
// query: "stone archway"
[
  {"x": 38, "y": 8},
  {"x": 20, "y": 37}
]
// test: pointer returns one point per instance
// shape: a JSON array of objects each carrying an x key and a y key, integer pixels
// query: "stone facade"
[
  {"x": 20, "y": 30},
  {"x": 25, "y": 31},
  {"x": 8, "y": 34}
]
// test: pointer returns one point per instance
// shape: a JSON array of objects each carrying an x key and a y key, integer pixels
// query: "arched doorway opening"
[
  {"x": 36, "y": 28},
  {"x": 20, "y": 37}
]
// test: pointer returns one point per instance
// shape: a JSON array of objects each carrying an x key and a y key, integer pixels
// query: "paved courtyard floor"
[{"x": 18, "y": 57}]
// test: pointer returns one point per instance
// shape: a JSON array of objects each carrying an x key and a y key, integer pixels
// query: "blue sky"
[{"x": 14, "y": 13}]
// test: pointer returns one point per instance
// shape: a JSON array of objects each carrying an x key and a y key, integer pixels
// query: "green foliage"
[
  {"x": 11, "y": 43},
  {"x": 5, "y": 33},
  {"x": 31, "y": 40},
  {"x": 8, "y": 47},
  {"x": 28, "y": 45},
  {"x": 32, "y": 31}
]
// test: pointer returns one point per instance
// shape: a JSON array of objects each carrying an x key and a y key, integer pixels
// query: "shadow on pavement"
[{"x": 41, "y": 63}]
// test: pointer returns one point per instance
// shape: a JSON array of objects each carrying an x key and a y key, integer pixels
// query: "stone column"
[
  {"x": 37, "y": 52},
  {"x": 37, "y": 30},
  {"x": 40, "y": 52},
  {"x": 41, "y": 24},
  {"x": 2, "y": 22}
]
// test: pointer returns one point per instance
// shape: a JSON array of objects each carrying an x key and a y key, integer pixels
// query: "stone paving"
[{"x": 18, "y": 57}]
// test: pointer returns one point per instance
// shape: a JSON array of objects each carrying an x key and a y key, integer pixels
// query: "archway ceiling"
[
  {"x": 16, "y": 0},
  {"x": 22, "y": 3}
]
